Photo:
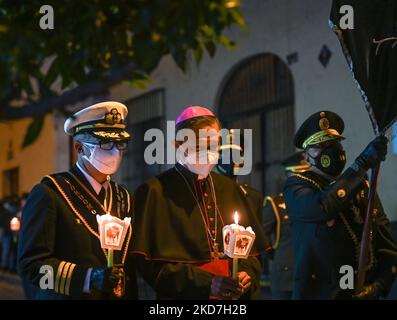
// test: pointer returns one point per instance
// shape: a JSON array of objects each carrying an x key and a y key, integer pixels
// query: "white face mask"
[
  {"x": 105, "y": 161},
  {"x": 202, "y": 164}
]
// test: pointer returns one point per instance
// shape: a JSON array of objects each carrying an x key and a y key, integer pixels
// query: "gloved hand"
[
  {"x": 374, "y": 153},
  {"x": 106, "y": 279},
  {"x": 372, "y": 291}
]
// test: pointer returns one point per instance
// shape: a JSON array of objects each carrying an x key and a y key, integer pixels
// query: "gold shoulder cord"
[
  {"x": 308, "y": 179},
  {"x": 85, "y": 222},
  {"x": 277, "y": 214}
]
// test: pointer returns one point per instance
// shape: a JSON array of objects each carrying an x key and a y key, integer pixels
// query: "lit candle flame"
[{"x": 236, "y": 217}]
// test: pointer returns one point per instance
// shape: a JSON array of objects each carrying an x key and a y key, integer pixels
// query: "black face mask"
[{"x": 331, "y": 160}]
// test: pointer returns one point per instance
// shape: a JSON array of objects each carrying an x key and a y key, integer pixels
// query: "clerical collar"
[
  {"x": 187, "y": 173},
  {"x": 95, "y": 184}
]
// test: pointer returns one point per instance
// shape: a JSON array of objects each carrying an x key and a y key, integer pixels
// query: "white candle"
[{"x": 236, "y": 229}]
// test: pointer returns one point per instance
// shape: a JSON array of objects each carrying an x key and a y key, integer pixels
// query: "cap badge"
[
  {"x": 113, "y": 117},
  {"x": 324, "y": 124}
]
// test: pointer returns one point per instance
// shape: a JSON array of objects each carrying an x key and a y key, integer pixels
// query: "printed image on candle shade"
[
  {"x": 112, "y": 231},
  {"x": 237, "y": 241},
  {"x": 112, "y": 234},
  {"x": 243, "y": 243},
  {"x": 227, "y": 240}
]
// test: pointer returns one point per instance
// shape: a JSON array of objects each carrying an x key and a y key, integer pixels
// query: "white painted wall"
[{"x": 281, "y": 27}]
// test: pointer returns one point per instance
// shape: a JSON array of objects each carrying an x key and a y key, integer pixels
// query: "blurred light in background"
[{"x": 232, "y": 4}]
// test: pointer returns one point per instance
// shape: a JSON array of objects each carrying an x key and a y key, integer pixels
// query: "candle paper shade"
[
  {"x": 237, "y": 241},
  {"x": 112, "y": 231}
]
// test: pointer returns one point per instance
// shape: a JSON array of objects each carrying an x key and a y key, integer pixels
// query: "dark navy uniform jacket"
[
  {"x": 282, "y": 263},
  {"x": 326, "y": 234},
  {"x": 52, "y": 234}
]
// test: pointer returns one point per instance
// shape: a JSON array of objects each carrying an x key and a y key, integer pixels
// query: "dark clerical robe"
[{"x": 173, "y": 238}]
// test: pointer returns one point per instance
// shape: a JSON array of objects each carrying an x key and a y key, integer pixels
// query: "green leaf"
[
  {"x": 211, "y": 48},
  {"x": 230, "y": 44},
  {"x": 143, "y": 34},
  {"x": 140, "y": 84},
  {"x": 198, "y": 54},
  {"x": 33, "y": 131}
]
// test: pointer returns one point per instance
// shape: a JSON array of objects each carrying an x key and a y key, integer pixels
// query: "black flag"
[
  {"x": 367, "y": 31},
  {"x": 371, "y": 51}
]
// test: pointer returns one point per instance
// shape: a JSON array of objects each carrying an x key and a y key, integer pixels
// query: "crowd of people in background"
[{"x": 10, "y": 216}]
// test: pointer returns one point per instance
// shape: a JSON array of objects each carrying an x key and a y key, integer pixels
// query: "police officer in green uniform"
[
  {"x": 327, "y": 207},
  {"x": 277, "y": 225},
  {"x": 59, "y": 249}
]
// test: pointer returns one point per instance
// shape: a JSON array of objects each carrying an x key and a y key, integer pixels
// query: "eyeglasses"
[
  {"x": 120, "y": 145},
  {"x": 109, "y": 145}
]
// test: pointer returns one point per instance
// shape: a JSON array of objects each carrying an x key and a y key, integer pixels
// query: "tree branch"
[{"x": 70, "y": 97}]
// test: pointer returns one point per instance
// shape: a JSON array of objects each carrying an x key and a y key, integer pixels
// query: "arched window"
[{"x": 258, "y": 94}]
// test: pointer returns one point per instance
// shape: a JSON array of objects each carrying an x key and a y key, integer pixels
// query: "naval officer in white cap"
[{"x": 59, "y": 229}]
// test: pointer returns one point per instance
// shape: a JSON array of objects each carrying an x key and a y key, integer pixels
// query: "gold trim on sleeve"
[
  {"x": 58, "y": 276},
  {"x": 69, "y": 279},
  {"x": 63, "y": 278}
]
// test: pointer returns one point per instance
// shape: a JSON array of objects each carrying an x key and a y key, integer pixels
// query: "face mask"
[
  {"x": 105, "y": 161},
  {"x": 331, "y": 160},
  {"x": 201, "y": 165}
]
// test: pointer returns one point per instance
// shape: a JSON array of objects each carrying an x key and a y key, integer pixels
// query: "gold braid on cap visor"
[
  {"x": 321, "y": 136},
  {"x": 79, "y": 128}
]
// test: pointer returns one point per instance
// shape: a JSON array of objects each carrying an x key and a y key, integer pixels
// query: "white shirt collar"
[{"x": 95, "y": 184}]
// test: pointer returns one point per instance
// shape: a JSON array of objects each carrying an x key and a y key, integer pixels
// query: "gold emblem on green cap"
[{"x": 325, "y": 161}]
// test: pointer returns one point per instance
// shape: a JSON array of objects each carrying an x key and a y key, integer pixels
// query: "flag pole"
[{"x": 367, "y": 232}]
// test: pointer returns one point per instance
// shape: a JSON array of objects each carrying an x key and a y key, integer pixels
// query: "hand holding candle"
[{"x": 112, "y": 232}]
